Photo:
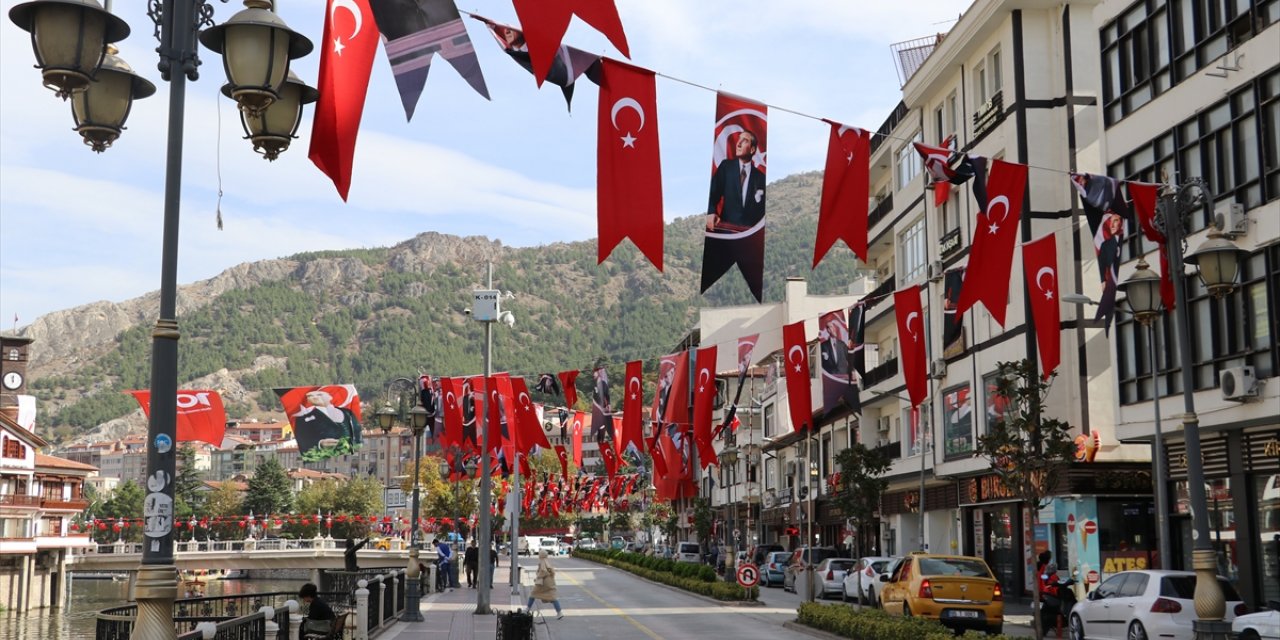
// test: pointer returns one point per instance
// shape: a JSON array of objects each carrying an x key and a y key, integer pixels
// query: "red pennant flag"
[
  {"x": 671, "y": 402},
  {"x": 563, "y": 455},
  {"x": 528, "y": 428},
  {"x": 799, "y": 391},
  {"x": 629, "y": 169},
  {"x": 655, "y": 452},
  {"x": 578, "y": 424},
  {"x": 846, "y": 184},
  {"x": 986, "y": 279},
  {"x": 567, "y": 380},
  {"x": 632, "y": 421},
  {"x": 704, "y": 397},
  {"x": 346, "y": 58},
  {"x": 610, "y": 458},
  {"x": 200, "y": 414},
  {"x": 911, "y": 342},
  {"x": 499, "y": 390},
  {"x": 1144, "y": 198},
  {"x": 545, "y": 22},
  {"x": 451, "y": 389},
  {"x": 1040, "y": 264}
]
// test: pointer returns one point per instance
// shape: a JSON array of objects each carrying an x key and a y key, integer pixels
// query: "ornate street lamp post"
[
  {"x": 70, "y": 40},
  {"x": 729, "y": 462},
  {"x": 1219, "y": 264},
  {"x": 418, "y": 418}
]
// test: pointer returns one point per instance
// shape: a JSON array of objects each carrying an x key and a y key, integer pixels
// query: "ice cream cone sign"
[
  {"x": 1087, "y": 445},
  {"x": 1087, "y": 529}
]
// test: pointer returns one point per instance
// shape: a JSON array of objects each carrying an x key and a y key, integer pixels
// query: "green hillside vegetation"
[{"x": 570, "y": 313}]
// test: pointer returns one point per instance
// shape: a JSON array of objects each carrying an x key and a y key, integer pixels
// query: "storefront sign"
[
  {"x": 1272, "y": 448},
  {"x": 911, "y": 501},
  {"x": 1124, "y": 562}
]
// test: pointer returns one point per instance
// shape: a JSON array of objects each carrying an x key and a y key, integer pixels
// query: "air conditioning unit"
[
  {"x": 885, "y": 423},
  {"x": 938, "y": 369},
  {"x": 1230, "y": 219},
  {"x": 881, "y": 442},
  {"x": 936, "y": 271},
  {"x": 791, "y": 467},
  {"x": 1238, "y": 383}
]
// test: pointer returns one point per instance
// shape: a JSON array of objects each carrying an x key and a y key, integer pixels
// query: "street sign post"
[{"x": 748, "y": 575}]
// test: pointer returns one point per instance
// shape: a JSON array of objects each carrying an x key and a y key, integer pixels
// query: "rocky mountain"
[{"x": 366, "y": 316}]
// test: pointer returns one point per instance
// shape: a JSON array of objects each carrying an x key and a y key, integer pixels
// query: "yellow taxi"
[{"x": 958, "y": 591}]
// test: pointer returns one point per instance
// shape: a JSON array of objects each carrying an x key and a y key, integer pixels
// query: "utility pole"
[{"x": 486, "y": 480}]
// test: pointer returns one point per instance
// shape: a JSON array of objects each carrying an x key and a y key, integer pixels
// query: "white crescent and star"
[
  {"x": 793, "y": 351},
  {"x": 991, "y": 207},
  {"x": 524, "y": 400},
  {"x": 915, "y": 335},
  {"x": 627, "y": 103},
  {"x": 701, "y": 373},
  {"x": 356, "y": 15},
  {"x": 1048, "y": 292},
  {"x": 451, "y": 399},
  {"x": 633, "y": 382}
]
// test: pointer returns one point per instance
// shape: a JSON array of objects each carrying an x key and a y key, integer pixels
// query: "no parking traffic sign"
[{"x": 748, "y": 575}]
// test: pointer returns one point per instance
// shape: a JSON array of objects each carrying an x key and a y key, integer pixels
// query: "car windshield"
[
  {"x": 954, "y": 567},
  {"x": 820, "y": 554},
  {"x": 1184, "y": 588},
  {"x": 841, "y": 565},
  {"x": 688, "y": 547},
  {"x": 879, "y": 565}
]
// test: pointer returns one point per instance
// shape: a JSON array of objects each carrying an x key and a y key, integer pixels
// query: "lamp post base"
[
  {"x": 155, "y": 590},
  {"x": 1211, "y": 630},
  {"x": 1211, "y": 604},
  {"x": 412, "y": 594}
]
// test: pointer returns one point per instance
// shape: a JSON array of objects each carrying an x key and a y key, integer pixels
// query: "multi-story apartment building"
[{"x": 1192, "y": 90}]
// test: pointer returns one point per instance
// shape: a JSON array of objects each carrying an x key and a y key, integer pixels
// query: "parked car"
[
  {"x": 761, "y": 551},
  {"x": 799, "y": 559},
  {"x": 587, "y": 544},
  {"x": 1264, "y": 625},
  {"x": 867, "y": 571},
  {"x": 688, "y": 552},
  {"x": 958, "y": 591},
  {"x": 831, "y": 572},
  {"x": 1137, "y": 605},
  {"x": 773, "y": 568}
]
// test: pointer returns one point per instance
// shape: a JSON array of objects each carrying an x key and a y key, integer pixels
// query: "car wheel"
[
  {"x": 906, "y": 611},
  {"x": 1249, "y": 634},
  {"x": 1075, "y": 628},
  {"x": 871, "y": 599},
  {"x": 995, "y": 630},
  {"x": 844, "y": 595},
  {"x": 1136, "y": 631}
]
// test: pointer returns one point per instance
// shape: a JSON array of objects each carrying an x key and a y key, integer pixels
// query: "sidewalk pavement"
[{"x": 450, "y": 615}]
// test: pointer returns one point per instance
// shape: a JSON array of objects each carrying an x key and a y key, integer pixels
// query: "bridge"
[{"x": 313, "y": 553}]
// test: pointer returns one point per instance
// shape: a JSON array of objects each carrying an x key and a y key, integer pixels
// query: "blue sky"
[{"x": 78, "y": 227}]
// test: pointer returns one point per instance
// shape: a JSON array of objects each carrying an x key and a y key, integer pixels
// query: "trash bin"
[{"x": 515, "y": 625}]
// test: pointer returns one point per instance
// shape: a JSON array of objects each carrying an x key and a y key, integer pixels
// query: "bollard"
[
  {"x": 362, "y": 610},
  {"x": 431, "y": 578},
  {"x": 208, "y": 630},
  {"x": 271, "y": 627},
  {"x": 382, "y": 601}
]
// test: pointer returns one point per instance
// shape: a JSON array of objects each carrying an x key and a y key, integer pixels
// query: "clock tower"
[{"x": 14, "y": 354}]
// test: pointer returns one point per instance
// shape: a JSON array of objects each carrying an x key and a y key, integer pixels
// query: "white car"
[
  {"x": 1139, "y": 605},
  {"x": 868, "y": 572},
  {"x": 1264, "y": 625},
  {"x": 831, "y": 572}
]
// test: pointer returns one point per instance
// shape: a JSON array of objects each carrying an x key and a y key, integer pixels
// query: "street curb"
[
  {"x": 817, "y": 633},
  {"x": 723, "y": 603}
]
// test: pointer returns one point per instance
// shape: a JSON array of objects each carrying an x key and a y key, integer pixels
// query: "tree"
[
  {"x": 186, "y": 484},
  {"x": 269, "y": 490},
  {"x": 861, "y": 483},
  {"x": 440, "y": 498},
  {"x": 702, "y": 519},
  {"x": 125, "y": 504},
  {"x": 1029, "y": 451}
]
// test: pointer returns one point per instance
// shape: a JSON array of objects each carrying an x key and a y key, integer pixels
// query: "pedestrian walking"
[
  {"x": 544, "y": 585},
  {"x": 471, "y": 562},
  {"x": 444, "y": 555},
  {"x": 493, "y": 563}
]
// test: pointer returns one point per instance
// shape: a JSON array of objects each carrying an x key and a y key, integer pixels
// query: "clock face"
[{"x": 12, "y": 380}]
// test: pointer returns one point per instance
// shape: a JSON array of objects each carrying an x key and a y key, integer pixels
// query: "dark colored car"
[
  {"x": 761, "y": 553},
  {"x": 799, "y": 559}
]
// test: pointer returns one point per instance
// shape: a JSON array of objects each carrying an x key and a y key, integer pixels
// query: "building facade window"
[
  {"x": 957, "y": 422},
  {"x": 770, "y": 420},
  {"x": 1155, "y": 44},
  {"x": 913, "y": 252},
  {"x": 909, "y": 163}
]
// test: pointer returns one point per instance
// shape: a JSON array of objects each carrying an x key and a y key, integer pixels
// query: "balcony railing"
[
  {"x": 890, "y": 123},
  {"x": 76, "y": 504},
  {"x": 883, "y": 208},
  {"x": 11, "y": 500},
  {"x": 881, "y": 373}
]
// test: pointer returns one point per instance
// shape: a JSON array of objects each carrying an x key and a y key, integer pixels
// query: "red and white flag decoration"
[
  {"x": 1144, "y": 196},
  {"x": 986, "y": 279},
  {"x": 632, "y": 407},
  {"x": 704, "y": 398},
  {"x": 563, "y": 455},
  {"x": 842, "y": 214},
  {"x": 528, "y": 428},
  {"x": 200, "y": 414},
  {"x": 1040, "y": 264},
  {"x": 545, "y": 22},
  {"x": 799, "y": 392},
  {"x": 911, "y": 342},
  {"x": 568, "y": 380},
  {"x": 629, "y": 168},
  {"x": 579, "y": 423},
  {"x": 346, "y": 58}
]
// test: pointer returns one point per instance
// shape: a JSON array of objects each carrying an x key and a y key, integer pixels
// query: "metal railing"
[
  {"x": 12, "y": 500},
  {"x": 250, "y": 627}
]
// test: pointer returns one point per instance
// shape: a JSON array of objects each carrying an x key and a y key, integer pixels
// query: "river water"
[{"x": 77, "y": 622}]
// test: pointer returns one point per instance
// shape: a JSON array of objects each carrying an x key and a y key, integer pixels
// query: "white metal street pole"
[
  {"x": 486, "y": 481},
  {"x": 514, "y": 500}
]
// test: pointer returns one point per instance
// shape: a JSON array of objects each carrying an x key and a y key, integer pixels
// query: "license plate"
[{"x": 965, "y": 614}]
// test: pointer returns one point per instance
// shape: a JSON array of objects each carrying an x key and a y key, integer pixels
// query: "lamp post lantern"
[
  {"x": 417, "y": 419},
  {"x": 70, "y": 39},
  {"x": 1218, "y": 261}
]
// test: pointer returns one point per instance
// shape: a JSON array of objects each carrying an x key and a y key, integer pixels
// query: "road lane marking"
[{"x": 643, "y": 629}]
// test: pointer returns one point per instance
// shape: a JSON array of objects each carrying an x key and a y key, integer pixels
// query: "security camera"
[
  {"x": 507, "y": 318},
  {"x": 466, "y": 311}
]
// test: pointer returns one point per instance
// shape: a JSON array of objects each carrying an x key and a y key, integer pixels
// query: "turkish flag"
[
  {"x": 1040, "y": 264},
  {"x": 632, "y": 407},
  {"x": 986, "y": 279},
  {"x": 671, "y": 402},
  {"x": 655, "y": 452},
  {"x": 453, "y": 396},
  {"x": 1144, "y": 197},
  {"x": 846, "y": 183},
  {"x": 563, "y": 455},
  {"x": 500, "y": 411},
  {"x": 704, "y": 397},
  {"x": 799, "y": 392},
  {"x": 578, "y": 424},
  {"x": 628, "y": 169},
  {"x": 545, "y": 22},
  {"x": 200, "y": 415},
  {"x": 346, "y": 57},
  {"x": 567, "y": 380},
  {"x": 528, "y": 428},
  {"x": 911, "y": 337}
]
